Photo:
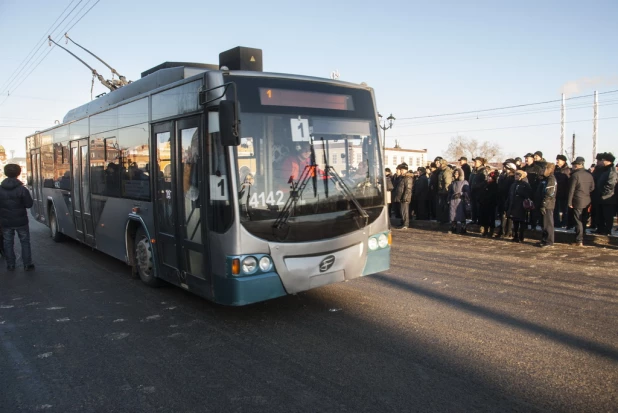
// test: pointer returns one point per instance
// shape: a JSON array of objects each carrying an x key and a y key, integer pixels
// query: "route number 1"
[
  {"x": 300, "y": 129},
  {"x": 218, "y": 188}
]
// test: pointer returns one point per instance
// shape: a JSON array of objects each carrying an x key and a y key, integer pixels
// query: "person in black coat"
[
  {"x": 465, "y": 167},
  {"x": 420, "y": 193},
  {"x": 546, "y": 200},
  {"x": 581, "y": 186},
  {"x": 505, "y": 180},
  {"x": 519, "y": 192},
  {"x": 403, "y": 194},
  {"x": 607, "y": 196},
  {"x": 562, "y": 174},
  {"x": 433, "y": 190},
  {"x": 488, "y": 200},
  {"x": 14, "y": 200},
  {"x": 596, "y": 171}
]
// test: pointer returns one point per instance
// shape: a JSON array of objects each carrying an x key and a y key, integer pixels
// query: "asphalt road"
[{"x": 459, "y": 323}]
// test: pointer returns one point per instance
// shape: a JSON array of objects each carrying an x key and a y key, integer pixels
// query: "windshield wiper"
[
  {"x": 348, "y": 193},
  {"x": 298, "y": 188}
]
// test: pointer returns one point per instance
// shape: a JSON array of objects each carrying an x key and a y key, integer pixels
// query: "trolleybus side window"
[{"x": 134, "y": 146}]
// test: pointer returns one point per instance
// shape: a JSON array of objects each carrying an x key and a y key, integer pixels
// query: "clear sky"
[{"x": 421, "y": 59}]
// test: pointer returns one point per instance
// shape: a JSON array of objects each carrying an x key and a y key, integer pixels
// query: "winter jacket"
[
  {"x": 445, "y": 177},
  {"x": 488, "y": 195},
  {"x": 389, "y": 183},
  {"x": 479, "y": 180},
  {"x": 14, "y": 199},
  {"x": 396, "y": 179},
  {"x": 433, "y": 182},
  {"x": 534, "y": 173},
  {"x": 403, "y": 190},
  {"x": 421, "y": 188},
  {"x": 458, "y": 192},
  {"x": 581, "y": 186},
  {"x": 504, "y": 186},
  {"x": 607, "y": 186},
  {"x": 546, "y": 193},
  {"x": 520, "y": 190},
  {"x": 562, "y": 180}
]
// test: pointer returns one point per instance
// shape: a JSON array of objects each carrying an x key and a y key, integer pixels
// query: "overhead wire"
[
  {"x": 503, "y": 107},
  {"x": 500, "y": 115},
  {"x": 28, "y": 57},
  {"x": 502, "y": 128},
  {"x": 41, "y": 42},
  {"x": 58, "y": 36}
]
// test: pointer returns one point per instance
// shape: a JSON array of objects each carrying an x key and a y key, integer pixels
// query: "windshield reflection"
[{"x": 276, "y": 150}]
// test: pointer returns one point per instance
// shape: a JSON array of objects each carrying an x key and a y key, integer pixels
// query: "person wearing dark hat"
[
  {"x": 546, "y": 199},
  {"x": 538, "y": 156},
  {"x": 562, "y": 174},
  {"x": 581, "y": 185},
  {"x": 534, "y": 171},
  {"x": 607, "y": 194},
  {"x": 433, "y": 190},
  {"x": 478, "y": 179},
  {"x": 420, "y": 193},
  {"x": 505, "y": 180},
  {"x": 596, "y": 172},
  {"x": 445, "y": 177},
  {"x": 14, "y": 200},
  {"x": 403, "y": 193},
  {"x": 463, "y": 164}
]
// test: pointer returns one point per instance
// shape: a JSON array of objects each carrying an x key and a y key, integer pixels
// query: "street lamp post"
[{"x": 384, "y": 126}]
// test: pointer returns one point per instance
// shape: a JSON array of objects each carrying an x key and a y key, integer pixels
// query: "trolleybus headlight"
[
  {"x": 249, "y": 265},
  {"x": 266, "y": 264},
  {"x": 373, "y": 244},
  {"x": 383, "y": 241}
]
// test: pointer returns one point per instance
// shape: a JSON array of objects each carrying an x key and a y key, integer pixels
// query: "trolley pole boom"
[
  {"x": 123, "y": 80},
  {"x": 105, "y": 83}
]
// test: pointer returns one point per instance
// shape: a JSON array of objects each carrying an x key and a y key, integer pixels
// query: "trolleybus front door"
[
  {"x": 37, "y": 184},
  {"x": 80, "y": 191},
  {"x": 178, "y": 156}
]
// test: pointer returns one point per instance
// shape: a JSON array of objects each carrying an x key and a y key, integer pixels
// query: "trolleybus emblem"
[{"x": 327, "y": 263}]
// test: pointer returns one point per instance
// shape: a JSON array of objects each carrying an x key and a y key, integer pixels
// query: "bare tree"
[{"x": 471, "y": 148}]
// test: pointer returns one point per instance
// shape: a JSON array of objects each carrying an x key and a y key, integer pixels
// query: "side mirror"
[{"x": 229, "y": 123}]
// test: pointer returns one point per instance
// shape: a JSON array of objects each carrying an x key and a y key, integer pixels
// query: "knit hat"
[{"x": 561, "y": 158}]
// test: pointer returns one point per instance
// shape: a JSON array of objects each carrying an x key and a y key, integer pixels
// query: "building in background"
[{"x": 413, "y": 157}]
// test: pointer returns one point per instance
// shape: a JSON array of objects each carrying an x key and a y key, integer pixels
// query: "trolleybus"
[{"x": 232, "y": 183}]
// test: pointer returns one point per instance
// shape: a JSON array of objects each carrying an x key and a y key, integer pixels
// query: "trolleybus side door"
[
  {"x": 178, "y": 189},
  {"x": 37, "y": 184},
  {"x": 80, "y": 191}
]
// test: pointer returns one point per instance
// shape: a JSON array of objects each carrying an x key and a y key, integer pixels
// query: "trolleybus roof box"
[{"x": 241, "y": 58}]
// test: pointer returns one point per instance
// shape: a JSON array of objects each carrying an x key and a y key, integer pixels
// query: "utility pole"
[
  {"x": 573, "y": 148},
  {"x": 595, "y": 125},
  {"x": 562, "y": 124}
]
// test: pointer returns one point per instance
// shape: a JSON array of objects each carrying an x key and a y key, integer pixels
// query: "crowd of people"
[{"x": 523, "y": 194}]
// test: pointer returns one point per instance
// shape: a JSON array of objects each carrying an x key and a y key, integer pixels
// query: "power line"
[
  {"x": 502, "y": 108},
  {"x": 491, "y": 129},
  {"x": 28, "y": 55},
  {"x": 500, "y": 115},
  {"x": 21, "y": 69},
  {"x": 49, "y": 51}
]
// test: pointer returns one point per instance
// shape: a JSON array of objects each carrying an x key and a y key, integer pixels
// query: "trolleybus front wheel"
[{"x": 144, "y": 263}]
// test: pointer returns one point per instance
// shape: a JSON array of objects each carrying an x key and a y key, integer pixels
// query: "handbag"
[{"x": 528, "y": 204}]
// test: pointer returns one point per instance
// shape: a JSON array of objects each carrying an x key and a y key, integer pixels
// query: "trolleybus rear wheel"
[
  {"x": 55, "y": 233},
  {"x": 144, "y": 263}
]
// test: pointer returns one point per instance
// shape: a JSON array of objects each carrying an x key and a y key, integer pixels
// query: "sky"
[{"x": 421, "y": 59}]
